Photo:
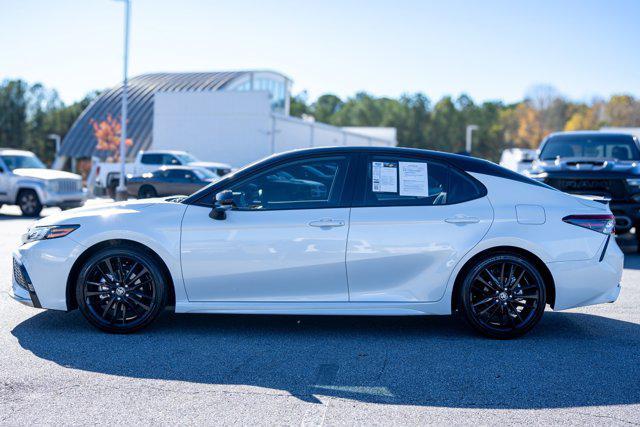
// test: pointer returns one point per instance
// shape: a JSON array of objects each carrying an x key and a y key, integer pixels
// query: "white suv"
[{"x": 25, "y": 181}]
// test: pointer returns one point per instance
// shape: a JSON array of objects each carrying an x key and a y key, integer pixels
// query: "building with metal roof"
[{"x": 80, "y": 141}]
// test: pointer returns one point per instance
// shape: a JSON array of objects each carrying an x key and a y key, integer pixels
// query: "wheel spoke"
[
  {"x": 109, "y": 304},
  {"x": 95, "y": 293},
  {"x": 515, "y": 284},
  {"x": 484, "y": 301},
  {"x": 492, "y": 277},
  {"x": 110, "y": 267},
  {"x": 515, "y": 310},
  {"x": 129, "y": 273},
  {"x": 526, "y": 296},
  {"x": 146, "y": 307},
  {"x": 487, "y": 284}
]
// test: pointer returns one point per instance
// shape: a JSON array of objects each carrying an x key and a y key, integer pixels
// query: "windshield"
[
  {"x": 20, "y": 162},
  {"x": 186, "y": 158},
  {"x": 203, "y": 174},
  {"x": 620, "y": 147}
]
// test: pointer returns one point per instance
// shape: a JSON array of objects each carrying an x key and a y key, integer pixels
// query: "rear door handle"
[
  {"x": 327, "y": 222},
  {"x": 462, "y": 219}
]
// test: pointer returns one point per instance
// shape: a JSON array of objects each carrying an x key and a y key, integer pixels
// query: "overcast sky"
[{"x": 488, "y": 49}]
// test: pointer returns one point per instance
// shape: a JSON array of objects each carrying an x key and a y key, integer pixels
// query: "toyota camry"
[{"x": 331, "y": 231}]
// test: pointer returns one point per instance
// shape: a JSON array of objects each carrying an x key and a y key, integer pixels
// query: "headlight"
[
  {"x": 52, "y": 186},
  {"x": 47, "y": 232},
  {"x": 634, "y": 182}
]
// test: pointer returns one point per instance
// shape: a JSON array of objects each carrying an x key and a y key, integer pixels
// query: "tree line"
[
  {"x": 442, "y": 126},
  {"x": 28, "y": 113}
]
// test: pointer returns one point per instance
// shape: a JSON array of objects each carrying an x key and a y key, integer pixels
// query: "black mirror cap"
[
  {"x": 218, "y": 213},
  {"x": 224, "y": 198}
]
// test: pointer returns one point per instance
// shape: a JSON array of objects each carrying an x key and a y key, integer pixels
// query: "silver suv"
[{"x": 25, "y": 181}]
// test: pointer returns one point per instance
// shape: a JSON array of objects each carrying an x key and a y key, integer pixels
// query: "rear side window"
[
  {"x": 394, "y": 181},
  {"x": 151, "y": 159}
]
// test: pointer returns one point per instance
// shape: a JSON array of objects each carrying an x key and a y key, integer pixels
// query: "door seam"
[{"x": 346, "y": 248}]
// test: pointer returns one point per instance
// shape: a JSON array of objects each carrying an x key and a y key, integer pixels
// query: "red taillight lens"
[{"x": 605, "y": 224}]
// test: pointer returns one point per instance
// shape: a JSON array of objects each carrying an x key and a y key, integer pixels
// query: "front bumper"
[
  {"x": 48, "y": 264},
  {"x": 22, "y": 289},
  {"x": 64, "y": 200}
]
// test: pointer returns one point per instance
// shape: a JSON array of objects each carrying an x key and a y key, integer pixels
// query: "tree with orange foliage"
[{"x": 107, "y": 133}]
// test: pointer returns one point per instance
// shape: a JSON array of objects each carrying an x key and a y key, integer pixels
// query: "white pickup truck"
[
  {"x": 107, "y": 175},
  {"x": 25, "y": 181}
]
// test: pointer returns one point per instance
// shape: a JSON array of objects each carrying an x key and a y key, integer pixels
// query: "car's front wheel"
[
  {"x": 503, "y": 296},
  {"x": 29, "y": 203},
  {"x": 121, "y": 289}
]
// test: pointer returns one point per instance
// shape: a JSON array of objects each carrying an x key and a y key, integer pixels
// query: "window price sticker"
[
  {"x": 414, "y": 179},
  {"x": 385, "y": 177}
]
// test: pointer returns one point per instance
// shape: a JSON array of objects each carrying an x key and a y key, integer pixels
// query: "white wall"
[
  {"x": 228, "y": 127},
  {"x": 238, "y": 127}
]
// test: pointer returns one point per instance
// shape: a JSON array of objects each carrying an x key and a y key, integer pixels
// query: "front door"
[
  {"x": 412, "y": 223},
  {"x": 284, "y": 240}
]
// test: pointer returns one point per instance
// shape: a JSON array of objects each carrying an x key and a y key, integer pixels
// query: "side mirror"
[{"x": 224, "y": 202}]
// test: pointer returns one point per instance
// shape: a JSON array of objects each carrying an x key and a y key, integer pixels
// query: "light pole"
[
  {"x": 121, "y": 191},
  {"x": 56, "y": 138},
  {"x": 470, "y": 129}
]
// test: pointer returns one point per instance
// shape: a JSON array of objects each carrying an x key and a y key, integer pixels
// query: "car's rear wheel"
[
  {"x": 147, "y": 192},
  {"x": 29, "y": 203},
  {"x": 503, "y": 296},
  {"x": 121, "y": 289}
]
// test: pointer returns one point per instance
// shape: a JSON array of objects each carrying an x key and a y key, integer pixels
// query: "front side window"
[
  {"x": 303, "y": 184},
  {"x": 169, "y": 159}
]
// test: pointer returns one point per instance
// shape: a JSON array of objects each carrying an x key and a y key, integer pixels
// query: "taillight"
[{"x": 605, "y": 224}]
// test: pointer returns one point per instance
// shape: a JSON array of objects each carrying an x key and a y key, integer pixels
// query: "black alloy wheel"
[
  {"x": 120, "y": 290},
  {"x": 503, "y": 296},
  {"x": 147, "y": 192},
  {"x": 29, "y": 203}
]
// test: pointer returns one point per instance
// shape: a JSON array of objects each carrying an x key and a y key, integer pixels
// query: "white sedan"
[{"x": 333, "y": 231}]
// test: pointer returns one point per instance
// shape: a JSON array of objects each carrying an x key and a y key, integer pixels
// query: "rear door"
[{"x": 413, "y": 220}]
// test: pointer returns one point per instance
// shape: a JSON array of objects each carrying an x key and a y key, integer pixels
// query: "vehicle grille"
[
  {"x": 614, "y": 189},
  {"x": 21, "y": 277},
  {"x": 68, "y": 186}
]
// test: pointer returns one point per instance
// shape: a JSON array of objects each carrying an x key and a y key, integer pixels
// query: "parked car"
[
  {"x": 25, "y": 181},
  {"x": 517, "y": 159},
  {"x": 335, "y": 230},
  {"x": 108, "y": 174},
  {"x": 170, "y": 180},
  {"x": 594, "y": 163}
]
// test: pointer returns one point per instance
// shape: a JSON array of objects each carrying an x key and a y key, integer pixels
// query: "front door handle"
[
  {"x": 462, "y": 219},
  {"x": 327, "y": 222}
]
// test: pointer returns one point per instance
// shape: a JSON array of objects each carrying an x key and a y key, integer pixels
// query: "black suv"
[{"x": 593, "y": 163}]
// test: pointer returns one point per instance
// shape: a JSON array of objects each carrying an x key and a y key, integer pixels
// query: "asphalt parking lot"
[{"x": 577, "y": 367}]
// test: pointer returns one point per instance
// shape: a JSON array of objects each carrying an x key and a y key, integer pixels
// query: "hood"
[
  {"x": 210, "y": 165},
  {"x": 45, "y": 174},
  {"x": 106, "y": 209},
  {"x": 585, "y": 164}
]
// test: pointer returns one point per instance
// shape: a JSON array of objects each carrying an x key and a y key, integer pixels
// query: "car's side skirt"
[{"x": 319, "y": 308}]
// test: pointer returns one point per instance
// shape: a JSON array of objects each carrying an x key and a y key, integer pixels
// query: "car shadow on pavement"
[{"x": 569, "y": 360}]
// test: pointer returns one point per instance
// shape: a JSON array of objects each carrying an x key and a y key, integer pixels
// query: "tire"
[
  {"x": 29, "y": 203},
  {"x": 517, "y": 296},
  {"x": 147, "y": 192},
  {"x": 121, "y": 289}
]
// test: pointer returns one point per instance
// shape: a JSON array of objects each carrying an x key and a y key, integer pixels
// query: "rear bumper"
[{"x": 588, "y": 282}]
